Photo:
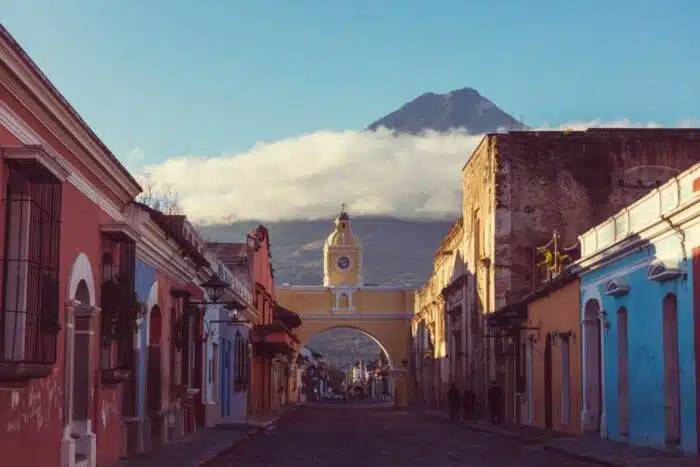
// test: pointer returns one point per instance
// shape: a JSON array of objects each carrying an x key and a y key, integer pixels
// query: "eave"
[{"x": 57, "y": 115}]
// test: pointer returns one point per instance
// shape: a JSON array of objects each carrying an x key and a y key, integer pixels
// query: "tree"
[{"x": 165, "y": 199}]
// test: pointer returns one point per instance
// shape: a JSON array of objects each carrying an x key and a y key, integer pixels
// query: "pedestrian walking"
[
  {"x": 495, "y": 396},
  {"x": 453, "y": 401}
]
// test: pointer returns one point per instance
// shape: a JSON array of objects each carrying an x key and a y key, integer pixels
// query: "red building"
[
  {"x": 272, "y": 337},
  {"x": 65, "y": 343},
  {"x": 186, "y": 328}
]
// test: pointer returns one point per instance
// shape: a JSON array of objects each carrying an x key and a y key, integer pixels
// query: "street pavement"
[{"x": 378, "y": 437}]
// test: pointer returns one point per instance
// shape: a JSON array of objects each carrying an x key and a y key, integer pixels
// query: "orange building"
[
  {"x": 272, "y": 338},
  {"x": 553, "y": 357},
  {"x": 538, "y": 356}
]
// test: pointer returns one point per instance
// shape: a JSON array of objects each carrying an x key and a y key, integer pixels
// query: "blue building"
[
  {"x": 639, "y": 320},
  {"x": 227, "y": 349}
]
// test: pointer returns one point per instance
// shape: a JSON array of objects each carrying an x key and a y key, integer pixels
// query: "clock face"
[{"x": 343, "y": 262}]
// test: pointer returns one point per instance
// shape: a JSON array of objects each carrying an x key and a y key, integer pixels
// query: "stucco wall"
[
  {"x": 556, "y": 313},
  {"x": 645, "y": 343},
  {"x": 524, "y": 185},
  {"x": 32, "y": 414}
]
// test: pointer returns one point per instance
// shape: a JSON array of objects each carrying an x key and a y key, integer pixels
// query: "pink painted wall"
[{"x": 31, "y": 413}]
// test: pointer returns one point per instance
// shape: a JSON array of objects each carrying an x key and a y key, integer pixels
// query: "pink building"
[{"x": 65, "y": 340}]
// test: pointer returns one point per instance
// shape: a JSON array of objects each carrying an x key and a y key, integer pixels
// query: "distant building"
[{"x": 343, "y": 300}]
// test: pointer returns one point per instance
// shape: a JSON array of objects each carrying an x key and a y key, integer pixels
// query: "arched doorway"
[
  {"x": 155, "y": 375},
  {"x": 79, "y": 442},
  {"x": 548, "y": 396},
  {"x": 357, "y": 366},
  {"x": 672, "y": 402},
  {"x": 592, "y": 342}
]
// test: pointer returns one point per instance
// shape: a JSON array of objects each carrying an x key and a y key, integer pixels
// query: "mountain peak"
[{"x": 463, "y": 108}]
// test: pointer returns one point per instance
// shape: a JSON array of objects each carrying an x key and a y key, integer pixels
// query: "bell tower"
[{"x": 342, "y": 254}]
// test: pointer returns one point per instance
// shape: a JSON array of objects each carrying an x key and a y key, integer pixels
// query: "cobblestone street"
[{"x": 347, "y": 436}]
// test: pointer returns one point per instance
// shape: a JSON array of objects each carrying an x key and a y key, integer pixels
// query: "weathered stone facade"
[
  {"x": 519, "y": 187},
  {"x": 435, "y": 350}
]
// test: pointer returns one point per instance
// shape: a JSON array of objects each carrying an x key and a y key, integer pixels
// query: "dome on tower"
[{"x": 342, "y": 235}]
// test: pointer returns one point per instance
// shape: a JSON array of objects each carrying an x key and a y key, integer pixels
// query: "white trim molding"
[
  {"x": 61, "y": 120},
  {"x": 663, "y": 270},
  {"x": 155, "y": 249},
  {"x": 81, "y": 270},
  {"x": 617, "y": 287},
  {"x": 28, "y": 136}
]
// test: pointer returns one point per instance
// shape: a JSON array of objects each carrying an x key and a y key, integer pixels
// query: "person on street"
[
  {"x": 495, "y": 396},
  {"x": 453, "y": 401}
]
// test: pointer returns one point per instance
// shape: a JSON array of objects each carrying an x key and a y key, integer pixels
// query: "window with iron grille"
[
  {"x": 241, "y": 362},
  {"x": 119, "y": 308},
  {"x": 29, "y": 319},
  {"x": 187, "y": 347},
  {"x": 182, "y": 348},
  {"x": 175, "y": 343}
]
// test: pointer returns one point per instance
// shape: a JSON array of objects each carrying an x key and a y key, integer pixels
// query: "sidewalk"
[
  {"x": 206, "y": 445},
  {"x": 586, "y": 447}
]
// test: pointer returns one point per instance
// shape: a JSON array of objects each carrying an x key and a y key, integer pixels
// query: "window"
[
  {"x": 119, "y": 307},
  {"x": 344, "y": 301},
  {"x": 241, "y": 362},
  {"x": 30, "y": 307},
  {"x": 214, "y": 371},
  {"x": 623, "y": 371},
  {"x": 565, "y": 401}
]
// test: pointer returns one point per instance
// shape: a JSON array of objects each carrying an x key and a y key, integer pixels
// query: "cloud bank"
[{"x": 310, "y": 176}]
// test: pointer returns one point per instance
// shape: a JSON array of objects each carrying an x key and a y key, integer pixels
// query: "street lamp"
[
  {"x": 233, "y": 314},
  {"x": 215, "y": 288}
]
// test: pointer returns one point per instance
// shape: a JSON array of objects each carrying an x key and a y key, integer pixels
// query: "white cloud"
[{"x": 311, "y": 175}]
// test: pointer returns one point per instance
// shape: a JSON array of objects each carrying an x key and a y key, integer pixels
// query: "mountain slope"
[
  {"x": 396, "y": 251},
  {"x": 462, "y": 108}
]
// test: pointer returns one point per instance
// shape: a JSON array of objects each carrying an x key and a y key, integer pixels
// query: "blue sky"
[
  {"x": 182, "y": 77},
  {"x": 175, "y": 78}
]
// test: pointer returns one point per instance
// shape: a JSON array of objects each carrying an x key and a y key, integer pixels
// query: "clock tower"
[{"x": 342, "y": 254}]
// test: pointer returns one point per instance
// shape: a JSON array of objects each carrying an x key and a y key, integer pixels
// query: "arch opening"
[
  {"x": 82, "y": 293},
  {"x": 593, "y": 367},
  {"x": 338, "y": 335},
  {"x": 81, "y": 285},
  {"x": 356, "y": 363}
]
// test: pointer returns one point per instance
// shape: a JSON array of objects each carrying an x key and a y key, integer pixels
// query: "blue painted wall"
[
  {"x": 145, "y": 277},
  {"x": 645, "y": 345},
  {"x": 225, "y": 377}
]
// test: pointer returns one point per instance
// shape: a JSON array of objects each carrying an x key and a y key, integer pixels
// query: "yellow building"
[
  {"x": 438, "y": 341},
  {"x": 344, "y": 301}
]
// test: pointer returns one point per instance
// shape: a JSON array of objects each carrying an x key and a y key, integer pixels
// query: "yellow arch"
[{"x": 392, "y": 336}]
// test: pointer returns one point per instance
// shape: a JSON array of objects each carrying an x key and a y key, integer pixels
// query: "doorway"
[
  {"x": 672, "y": 412},
  {"x": 593, "y": 400},
  {"x": 548, "y": 382},
  {"x": 623, "y": 372},
  {"x": 80, "y": 385},
  {"x": 154, "y": 375}
]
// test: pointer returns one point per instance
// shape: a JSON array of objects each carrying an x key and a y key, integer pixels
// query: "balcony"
[{"x": 270, "y": 340}]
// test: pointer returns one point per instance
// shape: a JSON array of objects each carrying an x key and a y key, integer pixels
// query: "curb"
[
  {"x": 533, "y": 440},
  {"x": 583, "y": 457},
  {"x": 249, "y": 434}
]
